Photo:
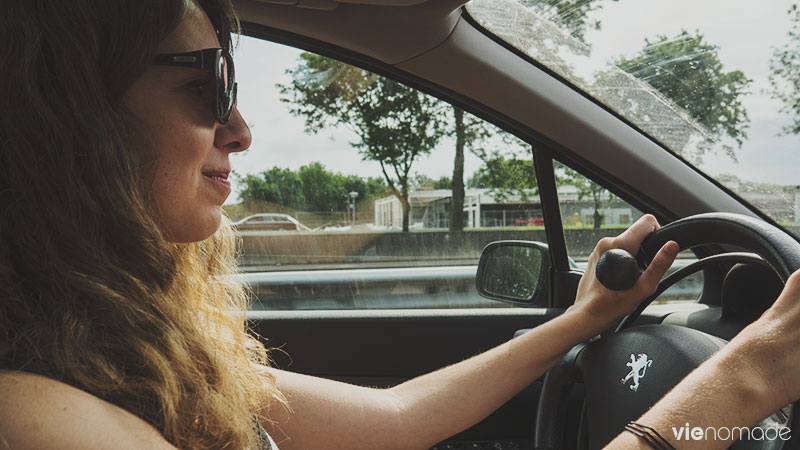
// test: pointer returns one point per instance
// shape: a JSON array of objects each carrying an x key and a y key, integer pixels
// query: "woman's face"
[{"x": 190, "y": 182}]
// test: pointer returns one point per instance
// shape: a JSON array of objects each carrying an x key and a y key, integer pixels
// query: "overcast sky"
[{"x": 745, "y": 31}]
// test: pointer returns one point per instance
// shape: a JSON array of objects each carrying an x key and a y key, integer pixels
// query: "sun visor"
[
  {"x": 332, "y": 4},
  {"x": 389, "y": 30}
]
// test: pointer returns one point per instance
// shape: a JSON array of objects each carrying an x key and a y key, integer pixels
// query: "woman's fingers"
[
  {"x": 632, "y": 238},
  {"x": 658, "y": 267},
  {"x": 789, "y": 299},
  {"x": 607, "y": 305},
  {"x": 793, "y": 283}
]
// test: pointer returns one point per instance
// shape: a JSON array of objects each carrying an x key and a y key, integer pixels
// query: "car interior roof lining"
[
  {"x": 370, "y": 27},
  {"x": 333, "y": 4}
]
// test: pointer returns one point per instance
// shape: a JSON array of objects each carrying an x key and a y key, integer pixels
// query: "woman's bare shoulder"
[{"x": 37, "y": 412}]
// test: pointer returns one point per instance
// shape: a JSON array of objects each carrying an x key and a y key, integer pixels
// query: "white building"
[{"x": 485, "y": 208}]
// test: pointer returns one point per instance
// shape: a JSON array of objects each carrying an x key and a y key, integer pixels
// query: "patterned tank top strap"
[{"x": 266, "y": 441}]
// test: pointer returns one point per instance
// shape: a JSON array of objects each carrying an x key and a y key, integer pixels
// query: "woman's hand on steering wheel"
[
  {"x": 602, "y": 306},
  {"x": 773, "y": 345}
]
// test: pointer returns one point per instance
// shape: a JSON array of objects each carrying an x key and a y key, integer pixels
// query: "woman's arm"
[
  {"x": 427, "y": 409},
  {"x": 753, "y": 376}
]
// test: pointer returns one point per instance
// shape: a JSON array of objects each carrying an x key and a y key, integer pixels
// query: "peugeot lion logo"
[{"x": 638, "y": 368}]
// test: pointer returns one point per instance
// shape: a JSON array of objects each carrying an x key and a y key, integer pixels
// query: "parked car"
[
  {"x": 532, "y": 221},
  {"x": 270, "y": 221},
  {"x": 541, "y": 85}
]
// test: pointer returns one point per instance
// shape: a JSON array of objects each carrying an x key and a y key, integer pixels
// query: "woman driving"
[{"x": 119, "y": 327}]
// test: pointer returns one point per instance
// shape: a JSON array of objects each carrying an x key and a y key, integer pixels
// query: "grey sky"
[{"x": 745, "y": 31}]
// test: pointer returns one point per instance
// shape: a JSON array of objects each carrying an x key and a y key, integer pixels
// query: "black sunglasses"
[{"x": 219, "y": 64}]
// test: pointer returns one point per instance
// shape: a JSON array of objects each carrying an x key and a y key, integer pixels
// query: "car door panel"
[
  {"x": 387, "y": 343},
  {"x": 382, "y": 348}
]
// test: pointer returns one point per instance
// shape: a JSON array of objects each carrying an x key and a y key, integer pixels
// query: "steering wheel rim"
[
  {"x": 677, "y": 349},
  {"x": 780, "y": 250}
]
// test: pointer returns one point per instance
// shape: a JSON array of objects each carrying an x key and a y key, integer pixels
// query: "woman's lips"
[{"x": 220, "y": 181}]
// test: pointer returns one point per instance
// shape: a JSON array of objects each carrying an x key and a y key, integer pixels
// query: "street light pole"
[{"x": 353, "y": 196}]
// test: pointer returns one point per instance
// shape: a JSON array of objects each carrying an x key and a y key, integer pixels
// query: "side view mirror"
[{"x": 514, "y": 272}]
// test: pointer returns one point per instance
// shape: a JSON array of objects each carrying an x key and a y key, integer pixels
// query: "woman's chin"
[{"x": 195, "y": 229}]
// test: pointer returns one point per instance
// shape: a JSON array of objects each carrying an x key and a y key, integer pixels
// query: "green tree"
[
  {"x": 394, "y": 124},
  {"x": 686, "y": 70},
  {"x": 443, "y": 183},
  {"x": 311, "y": 188},
  {"x": 422, "y": 181},
  {"x": 367, "y": 188},
  {"x": 785, "y": 73},
  {"x": 279, "y": 186},
  {"x": 323, "y": 190},
  {"x": 506, "y": 176},
  {"x": 587, "y": 188}
]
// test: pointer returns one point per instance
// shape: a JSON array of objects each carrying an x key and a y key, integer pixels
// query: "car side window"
[
  {"x": 590, "y": 212},
  {"x": 360, "y": 175}
]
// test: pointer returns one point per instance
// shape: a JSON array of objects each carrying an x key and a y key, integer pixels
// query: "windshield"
[{"x": 715, "y": 81}]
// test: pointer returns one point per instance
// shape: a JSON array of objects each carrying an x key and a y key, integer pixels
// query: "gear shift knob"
[{"x": 617, "y": 270}]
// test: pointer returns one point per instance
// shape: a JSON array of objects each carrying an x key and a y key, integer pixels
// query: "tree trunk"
[
  {"x": 457, "y": 200},
  {"x": 405, "y": 206},
  {"x": 598, "y": 218}
]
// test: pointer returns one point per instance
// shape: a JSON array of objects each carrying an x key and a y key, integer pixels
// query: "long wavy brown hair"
[{"x": 91, "y": 291}]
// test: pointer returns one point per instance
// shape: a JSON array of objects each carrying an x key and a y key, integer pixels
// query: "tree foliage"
[
  {"x": 394, "y": 124},
  {"x": 571, "y": 15},
  {"x": 311, "y": 188},
  {"x": 422, "y": 181},
  {"x": 506, "y": 176},
  {"x": 687, "y": 70},
  {"x": 785, "y": 73},
  {"x": 277, "y": 185},
  {"x": 587, "y": 189}
]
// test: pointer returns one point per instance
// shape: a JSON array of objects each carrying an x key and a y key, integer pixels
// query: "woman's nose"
[{"x": 233, "y": 136}]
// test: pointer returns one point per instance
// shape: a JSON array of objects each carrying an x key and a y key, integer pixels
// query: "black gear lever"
[{"x": 617, "y": 270}]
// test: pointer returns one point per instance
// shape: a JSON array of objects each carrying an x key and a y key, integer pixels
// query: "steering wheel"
[{"x": 629, "y": 369}]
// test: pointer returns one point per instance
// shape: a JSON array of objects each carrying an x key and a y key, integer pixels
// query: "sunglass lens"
[{"x": 226, "y": 94}]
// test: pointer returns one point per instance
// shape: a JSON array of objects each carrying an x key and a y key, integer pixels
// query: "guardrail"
[
  {"x": 282, "y": 250},
  {"x": 394, "y": 288},
  {"x": 423, "y": 269}
]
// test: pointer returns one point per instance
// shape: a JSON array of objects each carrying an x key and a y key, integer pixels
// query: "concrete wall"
[
  {"x": 276, "y": 250},
  {"x": 280, "y": 249}
]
